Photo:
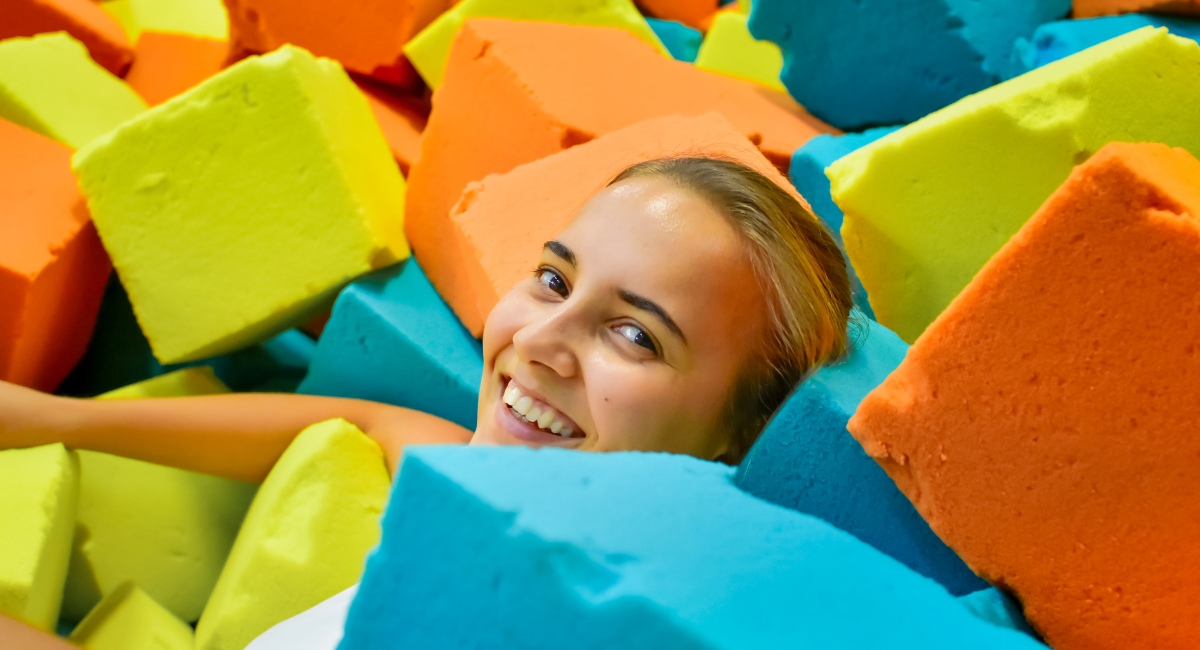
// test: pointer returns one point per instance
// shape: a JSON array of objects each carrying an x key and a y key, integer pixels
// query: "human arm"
[{"x": 237, "y": 436}]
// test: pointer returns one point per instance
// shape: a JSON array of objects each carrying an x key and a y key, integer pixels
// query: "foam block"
[
  {"x": 365, "y": 36},
  {"x": 204, "y": 18},
  {"x": 429, "y": 50},
  {"x": 165, "y": 529},
  {"x": 305, "y": 537},
  {"x": 555, "y": 549},
  {"x": 129, "y": 619},
  {"x": 169, "y": 63},
  {"x": 1063, "y": 473},
  {"x": 548, "y": 91},
  {"x": 271, "y": 176},
  {"x": 503, "y": 220},
  {"x": 1062, "y": 38},
  {"x": 82, "y": 19},
  {"x": 1090, "y": 8},
  {"x": 681, "y": 41},
  {"x": 807, "y": 173},
  {"x": 49, "y": 84},
  {"x": 392, "y": 339},
  {"x": 805, "y": 460},
  {"x": 52, "y": 267},
  {"x": 38, "y": 488},
  {"x": 993, "y": 606},
  {"x": 860, "y": 63},
  {"x": 728, "y": 48},
  {"x": 984, "y": 165},
  {"x": 402, "y": 119},
  {"x": 693, "y": 13}
]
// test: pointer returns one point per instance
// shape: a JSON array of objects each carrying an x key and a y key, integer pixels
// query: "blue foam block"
[
  {"x": 682, "y": 42},
  {"x": 808, "y": 175},
  {"x": 805, "y": 460},
  {"x": 1060, "y": 39},
  {"x": 392, "y": 339},
  {"x": 509, "y": 547},
  {"x": 994, "y": 607},
  {"x": 859, "y": 63}
]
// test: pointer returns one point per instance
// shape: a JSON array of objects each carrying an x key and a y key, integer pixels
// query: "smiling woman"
[{"x": 675, "y": 313}]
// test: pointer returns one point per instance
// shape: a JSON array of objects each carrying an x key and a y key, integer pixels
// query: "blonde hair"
[{"x": 799, "y": 268}]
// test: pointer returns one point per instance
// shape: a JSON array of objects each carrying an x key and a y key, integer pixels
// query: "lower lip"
[{"x": 526, "y": 432}]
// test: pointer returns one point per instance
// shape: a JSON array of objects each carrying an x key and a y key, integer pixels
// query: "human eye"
[
  {"x": 637, "y": 336},
  {"x": 552, "y": 280}
]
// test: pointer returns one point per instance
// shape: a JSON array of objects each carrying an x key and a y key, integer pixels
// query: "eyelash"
[{"x": 539, "y": 275}]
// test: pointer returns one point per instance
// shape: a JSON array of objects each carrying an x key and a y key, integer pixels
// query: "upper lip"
[{"x": 537, "y": 395}]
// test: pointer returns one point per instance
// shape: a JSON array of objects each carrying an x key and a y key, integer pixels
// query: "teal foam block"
[
  {"x": 805, "y": 460},
  {"x": 1060, "y": 39},
  {"x": 860, "y": 63},
  {"x": 808, "y": 175},
  {"x": 119, "y": 354},
  {"x": 994, "y": 607},
  {"x": 510, "y": 547},
  {"x": 682, "y": 42},
  {"x": 392, "y": 339}
]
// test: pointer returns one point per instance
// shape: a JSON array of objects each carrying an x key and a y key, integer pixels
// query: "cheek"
[
  {"x": 634, "y": 406},
  {"x": 505, "y": 320}
]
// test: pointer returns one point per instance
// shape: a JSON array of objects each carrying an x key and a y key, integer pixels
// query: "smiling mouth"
[{"x": 532, "y": 411}]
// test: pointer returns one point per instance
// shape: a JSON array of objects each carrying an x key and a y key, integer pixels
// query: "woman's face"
[{"x": 630, "y": 334}]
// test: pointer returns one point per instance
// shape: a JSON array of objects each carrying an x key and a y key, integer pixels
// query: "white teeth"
[
  {"x": 522, "y": 406},
  {"x": 555, "y": 427},
  {"x": 511, "y": 394},
  {"x": 544, "y": 420},
  {"x": 566, "y": 432},
  {"x": 533, "y": 414},
  {"x": 544, "y": 417}
]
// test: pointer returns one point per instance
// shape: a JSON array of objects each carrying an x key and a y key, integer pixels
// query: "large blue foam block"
[
  {"x": 994, "y": 606},
  {"x": 392, "y": 339},
  {"x": 512, "y": 547},
  {"x": 1060, "y": 39},
  {"x": 808, "y": 175},
  {"x": 859, "y": 63},
  {"x": 805, "y": 460},
  {"x": 681, "y": 41}
]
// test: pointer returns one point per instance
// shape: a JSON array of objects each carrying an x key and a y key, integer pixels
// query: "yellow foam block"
[
  {"x": 428, "y": 49},
  {"x": 49, "y": 84},
  {"x": 240, "y": 207},
  {"x": 928, "y": 205},
  {"x": 129, "y": 619},
  {"x": 305, "y": 538},
  {"x": 37, "y": 508},
  {"x": 166, "y": 529},
  {"x": 196, "y": 17},
  {"x": 729, "y": 49}
]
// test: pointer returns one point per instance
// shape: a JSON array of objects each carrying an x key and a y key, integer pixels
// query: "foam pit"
[
  {"x": 83, "y": 19},
  {"x": 681, "y": 41},
  {"x": 693, "y": 13},
  {"x": 169, "y": 63},
  {"x": 1062, "y": 38},
  {"x": 204, "y": 18},
  {"x": 730, "y": 49},
  {"x": 129, "y": 619}
]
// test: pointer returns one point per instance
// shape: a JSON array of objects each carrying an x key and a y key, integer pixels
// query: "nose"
[{"x": 550, "y": 341}]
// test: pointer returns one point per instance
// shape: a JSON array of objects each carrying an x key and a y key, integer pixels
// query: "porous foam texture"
[
  {"x": 129, "y": 619},
  {"x": 693, "y": 13},
  {"x": 681, "y": 41},
  {"x": 52, "y": 267},
  {"x": 196, "y": 17},
  {"x": 305, "y": 537},
  {"x": 240, "y": 207},
  {"x": 169, "y": 63},
  {"x": 805, "y": 460},
  {"x": 730, "y": 49},
  {"x": 504, "y": 220},
  {"x": 807, "y": 173},
  {"x": 429, "y": 50},
  {"x": 1062, "y": 38},
  {"x": 1090, "y": 8},
  {"x": 49, "y": 84},
  {"x": 1044, "y": 424},
  {"x": 400, "y": 118},
  {"x": 38, "y": 489},
  {"x": 366, "y": 36},
  {"x": 548, "y": 91},
  {"x": 392, "y": 339},
  {"x": 563, "y": 549},
  {"x": 165, "y": 529},
  {"x": 860, "y": 63},
  {"x": 83, "y": 19},
  {"x": 928, "y": 205}
]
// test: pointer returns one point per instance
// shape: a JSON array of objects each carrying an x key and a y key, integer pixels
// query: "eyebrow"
[
  {"x": 647, "y": 305},
  {"x": 560, "y": 249}
]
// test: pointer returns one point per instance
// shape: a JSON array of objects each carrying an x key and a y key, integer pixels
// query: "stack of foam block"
[{"x": 329, "y": 198}]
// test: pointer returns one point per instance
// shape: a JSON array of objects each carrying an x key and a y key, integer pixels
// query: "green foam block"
[
  {"x": 49, "y": 84},
  {"x": 305, "y": 538},
  {"x": 37, "y": 511},
  {"x": 240, "y": 207},
  {"x": 928, "y": 205},
  {"x": 129, "y": 619}
]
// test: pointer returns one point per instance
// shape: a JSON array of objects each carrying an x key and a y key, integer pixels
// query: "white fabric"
[{"x": 318, "y": 628}]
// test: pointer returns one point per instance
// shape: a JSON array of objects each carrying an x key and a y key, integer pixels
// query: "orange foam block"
[
  {"x": 366, "y": 36},
  {"x": 1045, "y": 423},
  {"x": 169, "y": 63},
  {"x": 100, "y": 33},
  {"x": 52, "y": 267},
  {"x": 549, "y": 87},
  {"x": 1091, "y": 8},
  {"x": 401, "y": 119},
  {"x": 696, "y": 14}
]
